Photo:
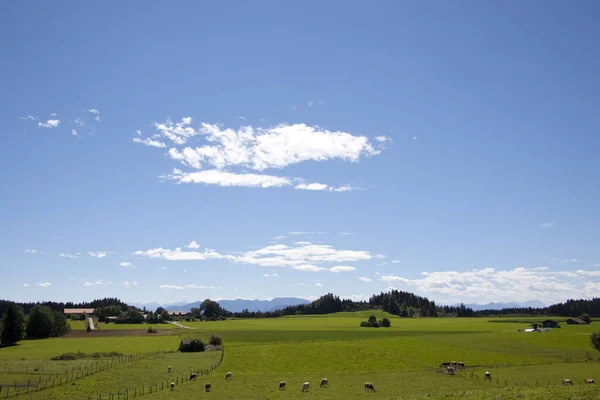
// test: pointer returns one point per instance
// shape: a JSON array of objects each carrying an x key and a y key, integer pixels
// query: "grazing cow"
[
  {"x": 450, "y": 370},
  {"x": 369, "y": 387},
  {"x": 282, "y": 385},
  {"x": 36, "y": 369},
  {"x": 193, "y": 376},
  {"x": 589, "y": 381},
  {"x": 169, "y": 369},
  {"x": 172, "y": 386},
  {"x": 305, "y": 386},
  {"x": 445, "y": 365},
  {"x": 488, "y": 376},
  {"x": 228, "y": 375},
  {"x": 567, "y": 382},
  {"x": 207, "y": 387},
  {"x": 461, "y": 365},
  {"x": 324, "y": 382}
]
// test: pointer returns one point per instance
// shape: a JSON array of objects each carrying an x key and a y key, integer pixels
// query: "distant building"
[
  {"x": 576, "y": 321},
  {"x": 550, "y": 324},
  {"x": 75, "y": 311},
  {"x": 178, "y": 313}
]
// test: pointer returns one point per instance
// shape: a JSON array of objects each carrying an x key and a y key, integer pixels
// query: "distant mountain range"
[
  {"x": 236, "y": 305},
  {"x": 500, "y": 306}
]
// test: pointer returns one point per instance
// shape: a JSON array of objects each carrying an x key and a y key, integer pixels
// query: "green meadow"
[{"x": 401, "y": 361}]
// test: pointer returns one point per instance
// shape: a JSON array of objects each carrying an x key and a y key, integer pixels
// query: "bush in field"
[
  {"x": 12, "y": 325},
  {"x": 595, "y": 340},
  {"x": 191, "y": 346},
  {"x": 372, "y": 322},
  {"x": 152, "y": 330},
  {"x": 385, "y": 322},
  {"x": 215, "y": 340},
  {"x": 43, "y": 322}
]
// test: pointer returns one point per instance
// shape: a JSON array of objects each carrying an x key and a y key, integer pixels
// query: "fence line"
[
  {"x": 144, "y": 390},
  {"x": 54, "y": 380}
]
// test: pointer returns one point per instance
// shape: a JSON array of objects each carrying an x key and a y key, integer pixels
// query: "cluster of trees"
[
  {"x": 569, "y": 308},
  {"x": 59, "y": 306},
  {"x": 373, "y": 323},
  {"x": 41, "y": 322},
  {"x": 196, "y": 345}
]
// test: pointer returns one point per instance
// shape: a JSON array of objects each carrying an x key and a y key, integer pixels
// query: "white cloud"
[
  {"x": 293, "y": 107},
  {"x": 319, "y": 284},
  {"x": 346, "y": 233},
  {"x": 94, "y": 111},
  {"x": 223, "y": 178},
  {"x": 74, "y": 133},
  {"x": 280, "y": 237},
  {"x": 270, "y": 275},
  {"x": 29, "y": 117},
  {"x": 51, "y": 123},
  {"x": 519, "y": 284},
  {"x": 364, "y": 279},
  {"x": 193, "y": 245},
  {"x": 129, "y": 284},
  {"x": 44, "y": 284},
  {"x": 163, "y": 267},
  {"x": 302, "y": 243},
  {"x": 342, "y": 268},
  {"x": 309, "y": 268},
  {"x": 396, "y": 261},
  {"x": 97, "y": 254},
  {"x": 126, "y": 264},
  {"x": 570, "y": 261},
  {"x": 380, "y": 256},
  {"x": 182, "y": 287},
  {"x": 383, "y": 139},
  {"x": 242, "y": 118},
  {"x": 78, "y": 122},
  {"x": 34, "y": 251},
  {"x": 548, "y": 224},
  {"x": 300, "y": 233},
  {"x": 97, "y": 118},
  {"x": 90, "y": 284},
  {"x": 299, "y": 284},
  {"x": 26, "y": 285},
  {"x": 149, "y": 142},
  {"x": 263, "y": 148},
  {"x": 414, "y": 138},
  {"x": 179, "y": 255},
  {"x": 311, "y": 186},
  {"x": 310, "y": 103},
  {"x": 68, "y": 255},
  {"x": 139, "y": 132}
]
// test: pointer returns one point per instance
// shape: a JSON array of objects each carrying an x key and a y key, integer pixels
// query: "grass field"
[{"x": 402, "y": 361}]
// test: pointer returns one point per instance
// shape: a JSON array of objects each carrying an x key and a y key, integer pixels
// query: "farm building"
[
  {"x": 576, "y": 321},
  {"x": 550, "y": 324},
  {"x": 178, "y": 313},
  {"x": 76, "y": 311}
]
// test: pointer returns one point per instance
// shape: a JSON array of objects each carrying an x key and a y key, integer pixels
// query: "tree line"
[
  {"x": 40, "y": 322},
  {"x": 569, "y": 308}
]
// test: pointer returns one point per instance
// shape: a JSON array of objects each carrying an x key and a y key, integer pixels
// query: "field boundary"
[
  {"x": 55, "y": 380},
  {"x": 146, "y": 390}
]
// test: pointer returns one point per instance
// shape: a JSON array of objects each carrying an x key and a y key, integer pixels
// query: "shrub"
[
  {"x": 385, "y": 322},
  {"x": 191, "y": 346},
  {"x": 215, "y": 340},
  {"x": 595, "y": 340},
  {"x": 152, "y": 330},
  {"x": 586, "y": 318}
]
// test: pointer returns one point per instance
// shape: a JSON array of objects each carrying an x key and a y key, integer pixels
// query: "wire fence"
[
  {"x": 49, "y": 381},
  {"x": 144, "y": 390}
]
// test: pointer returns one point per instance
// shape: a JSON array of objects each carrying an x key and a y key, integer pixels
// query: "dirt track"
[{"x": 118, "y": 332}]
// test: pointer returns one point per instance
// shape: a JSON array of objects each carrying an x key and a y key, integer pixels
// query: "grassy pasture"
[{"x": 402, "y": 361}]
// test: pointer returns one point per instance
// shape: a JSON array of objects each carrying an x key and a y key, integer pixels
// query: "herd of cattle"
[
  {"x": 452, "y": 366},
  {"x": 369, "y": 387}
]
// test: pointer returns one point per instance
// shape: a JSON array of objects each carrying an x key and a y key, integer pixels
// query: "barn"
[
  {"x": 549, "y": 323},
  {"x": 78, "y": 311},
  {"x": 576, "y": 321}
]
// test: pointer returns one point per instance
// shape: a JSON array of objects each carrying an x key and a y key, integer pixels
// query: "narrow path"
[
  {"x": 181, "y": 326},
  {"x": 91, "y": 321}
]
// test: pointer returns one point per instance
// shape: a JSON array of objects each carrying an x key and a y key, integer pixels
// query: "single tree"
[
  {"x": 160, "y": 310},
  {"x": 586, "y": 318},
  {"x": 40, "y": 322},
  {"x": 12, "y": 325},
  {"x": 164, "y": 315},
  {"x": 595, "y": 340},
  {"x": 215, "y": 340},
  {"x": 386, "y": 323}
]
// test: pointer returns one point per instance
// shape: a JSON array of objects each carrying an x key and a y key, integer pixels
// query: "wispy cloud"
[
  {"x": 364, "y": 279},
  {"x": 97, "y": 254},
  {"x": 309, "y": 268},
  {"x": 94, "y": 111},
  {"x": 193, "y": 286},
  {"x": 29, "y": 117},
  {"x": 310, "y": 103},
  {"x": 74, "y": 133},
  {"x": 79, "y": 122},
  {"x": 97, "y": 118},
  {"x": 90, "y": 284},
  {"x": 270, "y": 275},
  {"x": 346, "y": 233},
  {"x": 280, "y": 237},
  {"x": 138, "y": 132},
  {"x": 126, "y": 264},
  {"x": 26, "y": 285},
  {"x": 396, "y": 261},
  {"x": 242, "y": 118},
  {"x": 319, "y": 284},
  {"x": 130, "y": 284},
  {"x": 302, "y": 243},
  {"x": 323, "y": 187},
  {"x": 149, "y": 142},
  {"x": 44, "y": 284},
  {"x": 68, "y": 255},
  {"x": 299, "y": 284},
  {"x": 33, "y": 251},
  {"x": 548, "y": 225},
  {"x": 570, "y": 261},
  {"x": 222, "y": 178},
  {"x": 51, "y": 123},
  {"x": 342, "y": 268}
]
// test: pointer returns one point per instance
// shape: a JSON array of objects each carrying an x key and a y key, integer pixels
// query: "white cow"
[
  {"x": 228, "y": 375},
  {"x": 589, "y": 381},
  {"x": 305, "y": 386}
]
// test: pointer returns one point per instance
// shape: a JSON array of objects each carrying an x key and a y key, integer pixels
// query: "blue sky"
[{"x": 174, "y": 152}]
